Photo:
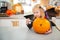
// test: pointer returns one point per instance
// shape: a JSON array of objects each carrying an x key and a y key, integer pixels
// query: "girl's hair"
[{"x": 41, "y": 9}]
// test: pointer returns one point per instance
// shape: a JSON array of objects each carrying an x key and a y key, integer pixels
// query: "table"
[{"x": 23, "y": 33}]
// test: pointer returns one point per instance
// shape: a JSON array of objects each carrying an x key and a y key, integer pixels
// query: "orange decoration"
[
  {"x": 10, "y": 12},
  {"x": 14, "y": 12},
  {"x": 18, "y": 7},
  {"x": 41, "y": 25}
]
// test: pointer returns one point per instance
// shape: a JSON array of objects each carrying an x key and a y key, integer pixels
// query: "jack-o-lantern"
[
  {"x": 41, "y": 25},
  {"x": 18, "y": 8}
]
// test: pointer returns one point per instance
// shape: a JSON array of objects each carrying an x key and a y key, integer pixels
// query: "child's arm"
[
  {"x": 29, "y": 23},
  {"x": 29, "y": 26},
  {"x": 28, "y": 20}
]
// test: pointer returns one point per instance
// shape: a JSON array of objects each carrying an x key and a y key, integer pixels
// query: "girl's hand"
[
  {"x": 28, "y": 21},
  {"x": 49, "y": 31}
]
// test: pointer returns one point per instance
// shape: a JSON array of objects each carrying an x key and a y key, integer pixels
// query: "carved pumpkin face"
[
  {"x": 41, "y": 25},
  {"x": 18, "y": 7}
]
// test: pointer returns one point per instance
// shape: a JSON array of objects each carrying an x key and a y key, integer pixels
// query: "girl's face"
[{"x": 37, "y": 12}]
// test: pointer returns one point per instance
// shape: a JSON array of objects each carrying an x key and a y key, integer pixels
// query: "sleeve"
[
  {"x": 29, "y": 25},
  {"x": 31, "y": 18}
]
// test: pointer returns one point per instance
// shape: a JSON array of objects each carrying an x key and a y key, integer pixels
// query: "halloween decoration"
[
  {"x": 18, "y": 8},
  {"x": 10, "y": 12},
  {"x": 41, "y": 25},
  {"x": 14, "y": 12}
]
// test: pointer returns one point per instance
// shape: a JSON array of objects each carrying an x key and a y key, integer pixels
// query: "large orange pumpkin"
[{"x": 41, "y": 25}]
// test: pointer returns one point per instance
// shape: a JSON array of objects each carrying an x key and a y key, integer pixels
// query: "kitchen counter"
[
  {"x": 21, "y": 32},
  {"x": 14, "y": 17}
]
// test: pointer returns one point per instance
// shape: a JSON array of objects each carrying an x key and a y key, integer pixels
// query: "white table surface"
[{"x": 23, "y": 33}]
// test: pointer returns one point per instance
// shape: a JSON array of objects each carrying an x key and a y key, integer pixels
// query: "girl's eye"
[{"x": 35, "y": 12}]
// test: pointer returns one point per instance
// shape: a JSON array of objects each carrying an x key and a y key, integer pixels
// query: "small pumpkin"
[
  {"x": 10, "y": 12},
  {"x": 14, "y": 12},
  {"x": 41, "y": 25}
]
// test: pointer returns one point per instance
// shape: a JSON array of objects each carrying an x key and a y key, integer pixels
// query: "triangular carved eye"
[{"x": 40, "y": 24}]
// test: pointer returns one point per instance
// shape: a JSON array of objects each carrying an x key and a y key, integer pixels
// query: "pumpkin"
[
  {"x": 14, "y": 12},
  {"x": 41, "y": 25},
  {"x": 10, "y": 12},
  {"x": 18, "y": 7}
]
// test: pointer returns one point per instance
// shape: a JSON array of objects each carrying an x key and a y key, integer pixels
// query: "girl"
[{"x": 38, "y": 12}]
